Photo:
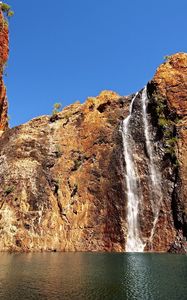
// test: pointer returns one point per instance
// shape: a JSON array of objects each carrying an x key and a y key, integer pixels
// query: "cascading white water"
[
  {"x": 155, "y": 176},
  {"x": 134, "y": 242}
]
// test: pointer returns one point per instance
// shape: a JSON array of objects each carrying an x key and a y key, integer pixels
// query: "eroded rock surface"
[
  {"x": 169, "y": 86},
  {"x": 62, "y": 180},
  {"x": 4, "y": 50},
  {"x": 171, "y": 80}
]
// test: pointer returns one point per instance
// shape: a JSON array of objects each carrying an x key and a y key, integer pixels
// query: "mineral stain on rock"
[{"x": 63, "y": 178}]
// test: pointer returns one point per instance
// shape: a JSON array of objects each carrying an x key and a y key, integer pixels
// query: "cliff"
[
  {"x": 63, "y": 178},
  {"x": 4, "y": 50},
  {"x": 169, "y": 91}
]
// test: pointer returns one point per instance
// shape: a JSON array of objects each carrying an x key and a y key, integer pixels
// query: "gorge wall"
[
  {"x": 63, "y": 178},
  {"x": 4, "y": 50}
]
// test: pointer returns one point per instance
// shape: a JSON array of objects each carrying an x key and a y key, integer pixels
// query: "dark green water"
[{"x": 93, "y": 276}]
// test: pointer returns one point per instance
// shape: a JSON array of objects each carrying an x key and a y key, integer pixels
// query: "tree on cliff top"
[
  {"x": 6, "y": 9},
  {"x": 56, "y": 108}
]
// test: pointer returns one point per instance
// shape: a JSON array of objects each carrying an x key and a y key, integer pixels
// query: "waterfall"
[
  {"x": 155, "y": 176},
  {"x": 134, "y": 243}
]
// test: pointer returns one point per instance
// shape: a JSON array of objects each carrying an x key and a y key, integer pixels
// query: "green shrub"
[
  {"x": 10, "y": 14},
  {"x": 167, "y": 125},
  {"x": 58, "y": 151},
  {"x": 163, "y": 122},
  {"x": 167, "y": 57},
  {"x": 77, "y": 163},
  {"x": 168, "y": 133},
  {"x": 160, "y": 106},
  {"x": 56, "y": 108},
  {"x": 6, "y": 9},
  {"x": 8, "y": 190},
  {"x": 172, "y": 141}
]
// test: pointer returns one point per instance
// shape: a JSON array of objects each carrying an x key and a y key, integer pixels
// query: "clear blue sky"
[{"x": 67, "y": 50}]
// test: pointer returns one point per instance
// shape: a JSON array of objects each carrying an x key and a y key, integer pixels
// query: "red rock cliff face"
[
  {"x": 4, "y": 50},
  {"x": 62, "y": 178},
  {"x": 170, "y": 86},
  {"x": 62, "y": 187}
]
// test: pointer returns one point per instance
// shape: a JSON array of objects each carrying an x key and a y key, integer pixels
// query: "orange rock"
[
  {"x": 4, "y": 50},
  {"x": 171, "y": 79}
]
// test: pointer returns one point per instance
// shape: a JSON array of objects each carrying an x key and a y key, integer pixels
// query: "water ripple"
[{"x": 93, "y": 276}]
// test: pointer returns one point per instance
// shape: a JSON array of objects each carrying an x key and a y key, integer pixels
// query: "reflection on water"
[{"x": 94, "y": 276}]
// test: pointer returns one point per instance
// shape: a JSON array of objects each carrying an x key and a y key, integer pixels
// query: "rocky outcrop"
[
  {"x": 62, "y": 177},
  {"x": 4, "y": 50},
  {"x": 169, "y": 90},
  {"x": 62, "y": 180},
  {"x": 171, "y": 82}
]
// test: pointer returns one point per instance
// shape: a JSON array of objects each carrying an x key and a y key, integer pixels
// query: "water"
[
  {"x": 93, "y": 276},
  {"x": 155, "y": 176},
  {"x": 134, "y": 243}
]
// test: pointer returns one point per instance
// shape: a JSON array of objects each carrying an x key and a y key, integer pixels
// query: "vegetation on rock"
[
  {"x": 8, "y": 190},
  {"x": 6, "y": 9},
  {"x": 56, "y": 108},
  {"x": 167, "y": 125},
  {"x": 167, "y": 57}
]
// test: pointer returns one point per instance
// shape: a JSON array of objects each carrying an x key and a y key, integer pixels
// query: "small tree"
[
  {"x": 56, "y": 108},
  {"x": 167, "y": 57},
  {"x": 6, "y": 9}
]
